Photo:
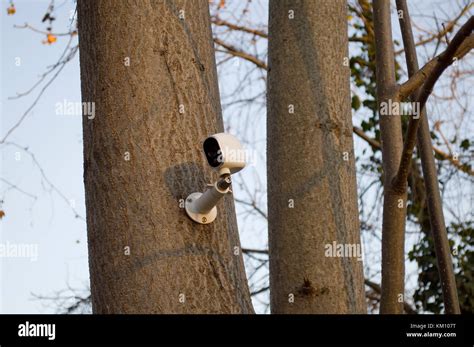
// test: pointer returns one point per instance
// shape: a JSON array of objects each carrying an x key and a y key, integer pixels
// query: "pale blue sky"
[{"x": 56, "y": 143}]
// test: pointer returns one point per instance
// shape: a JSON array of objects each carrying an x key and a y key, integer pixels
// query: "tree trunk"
[
  {"x": 150, "y": 69},
  {"x": 394, "y": 208},
  {"x": 312, "y": 195},
  {"x": 430, "y": 175}
]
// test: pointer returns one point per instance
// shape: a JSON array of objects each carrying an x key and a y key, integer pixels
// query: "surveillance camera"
[{"x": 225, "y": 154}]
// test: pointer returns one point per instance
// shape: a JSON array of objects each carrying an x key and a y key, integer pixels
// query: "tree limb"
[
  {"x": 219, "y": 22},
  {"x": 458, "y": 165},
  {"x": 239, "y": 53},
  {"x": 372, "y": 142},
  {"x": 261, "y": 290},
  {"x": 441, "y": 63},
  {"x": 254, "y": 205},
  {"x": 417, "y": 80},
  {"x": 443, "y": 155},
  {"x": 258, "y": 251},
  {"x": 430, "y": 175},
  {"x": 446, "y": 29}
]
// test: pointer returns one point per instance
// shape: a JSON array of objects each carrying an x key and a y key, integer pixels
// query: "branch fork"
[{"x": 419, "y": 88}]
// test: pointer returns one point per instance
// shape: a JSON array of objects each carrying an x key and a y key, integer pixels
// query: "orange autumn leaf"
[
  {"x": 221, "y": 4},
  {"x": 2, "y": 214},
  {"x": 11, "y": 10},
  {"x": 50, "y": 38}
]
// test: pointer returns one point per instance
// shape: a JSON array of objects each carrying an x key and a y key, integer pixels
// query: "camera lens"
[{"x": 212, "y": 151}]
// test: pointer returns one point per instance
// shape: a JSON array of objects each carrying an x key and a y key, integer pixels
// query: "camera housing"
[{"x": 224, "y": 153}]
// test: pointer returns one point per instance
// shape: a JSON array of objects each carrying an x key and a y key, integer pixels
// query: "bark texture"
[
  {"x": 311, "y": 161},
  {"x": 155, "y": 113},
  {"x": 394, "y": 207}
]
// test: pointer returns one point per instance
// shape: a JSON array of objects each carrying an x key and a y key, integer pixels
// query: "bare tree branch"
[
  {"x": 446, "y": 29},
  {"x": 254, "y": 205},
  {"x": 28, "y": 26},
  {"x": 259, "y": 251},
  {"x": 59, "y": 67},
  {"x": 239, "y": 53},
  {"x": 441, "y": 63},
  {"x": 443, "y": 155},
  {"x": 219, "y": 22},
  {"x": 261, "y": 290},
  {"x": 372, "y": 142},
  {"x": 456, "y": 163},
  {"x": 14, "y": 186},
  {"x": 52, "y": 187},
  {"x": 417, "y": 80}
]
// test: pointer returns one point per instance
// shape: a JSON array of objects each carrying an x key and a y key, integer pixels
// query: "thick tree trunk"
[
  {"x": 312, "y": 195},
  {"x": 149, "y": 67},
  {"x": 394, "y": 208}
]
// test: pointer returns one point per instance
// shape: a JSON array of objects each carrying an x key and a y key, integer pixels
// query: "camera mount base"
[{"x": 199, "y": 217}]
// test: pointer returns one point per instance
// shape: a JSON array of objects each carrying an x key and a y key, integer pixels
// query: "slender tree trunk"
[
  {"x": 149, "y": 67},
  {"x": 435, "y": 207},
  {"x": 394, "y": 207},
  {"x": 312, "y": 195}
]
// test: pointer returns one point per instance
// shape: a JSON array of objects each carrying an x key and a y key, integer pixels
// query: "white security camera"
[{"x": 225, "y": 154}]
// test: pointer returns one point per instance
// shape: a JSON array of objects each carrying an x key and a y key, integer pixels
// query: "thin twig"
[
  {"x": 239, "y": 53},
  {"x": 45, "y": 177},
  {"x": 27, "y": 26},
  {"x": 219, "y": 22},
  {"x": 28, "y": 110}
]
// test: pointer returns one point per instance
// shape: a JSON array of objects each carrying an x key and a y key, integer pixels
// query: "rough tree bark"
[
  {"x": 394, "y": 207},
  {"x": 151, "y": 72},
  {"x": 312, "y": 195}
]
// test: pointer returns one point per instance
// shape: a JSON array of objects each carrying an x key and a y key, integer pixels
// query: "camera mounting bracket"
[{"x": 200, "y": 207}]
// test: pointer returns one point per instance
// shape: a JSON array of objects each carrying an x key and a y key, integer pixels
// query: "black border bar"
[{"x": 244, "y": 329}]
